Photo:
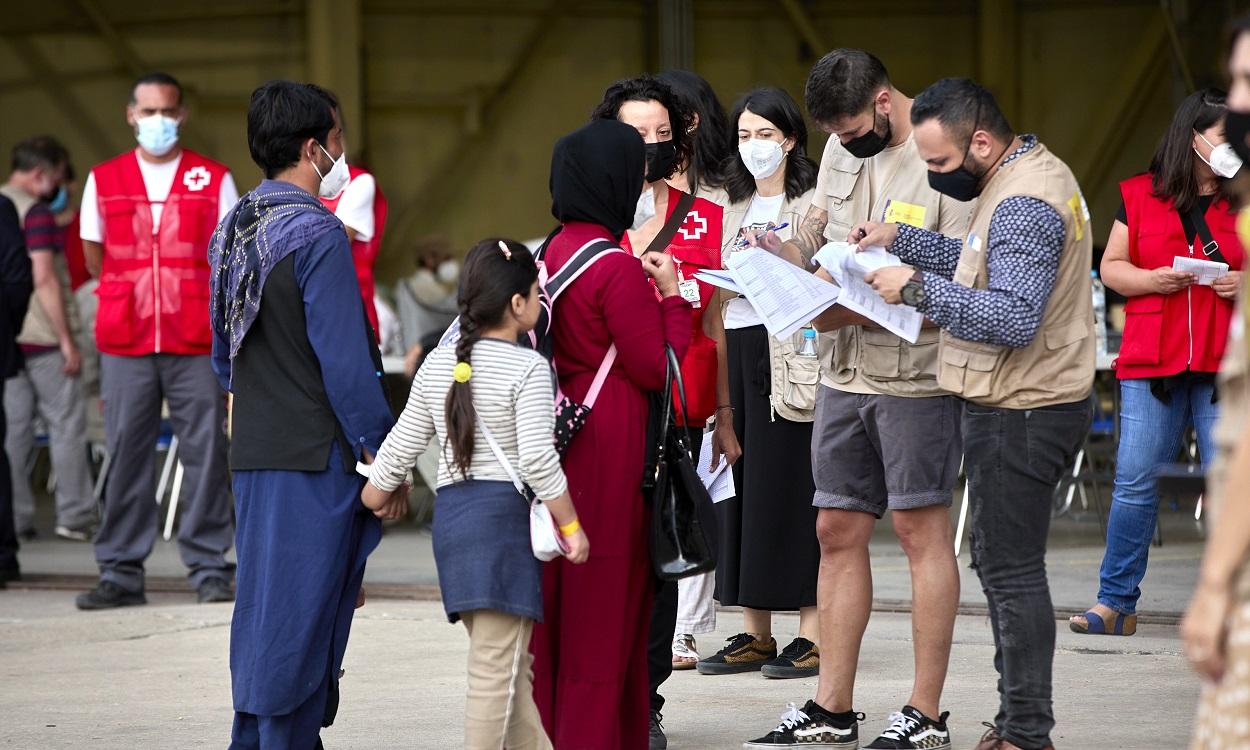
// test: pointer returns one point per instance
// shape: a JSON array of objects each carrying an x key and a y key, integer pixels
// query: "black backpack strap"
[
  {"x": 581, "y": 260},
  {"x": 1210, "y": 248},
  {"x": 675, "y": 220}
]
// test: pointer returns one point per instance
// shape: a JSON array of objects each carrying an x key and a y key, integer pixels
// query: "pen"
[{"x": 743, "y": 241}]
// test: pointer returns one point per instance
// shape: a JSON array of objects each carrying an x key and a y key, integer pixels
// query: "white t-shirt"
[
  {"x": 355, "y": 208},
  {"x": 762, "y": 211},
  {"x": 159, "y": 180}
]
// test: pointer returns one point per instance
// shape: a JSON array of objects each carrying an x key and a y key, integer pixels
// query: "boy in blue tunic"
[{"x": 292, "y": 344}]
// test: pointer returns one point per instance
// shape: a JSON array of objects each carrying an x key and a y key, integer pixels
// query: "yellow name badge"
[
  {"x": 898, "y": 212},
  {"x": 1080, "y": 214}
]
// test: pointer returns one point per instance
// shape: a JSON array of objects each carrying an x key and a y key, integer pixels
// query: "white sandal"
[{"x": 684, "y": 654}]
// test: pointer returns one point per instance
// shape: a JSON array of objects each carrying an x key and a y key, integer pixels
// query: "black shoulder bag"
[
  {"x": 679, "y": 541},
  {"x": 1210, "y": 248}
]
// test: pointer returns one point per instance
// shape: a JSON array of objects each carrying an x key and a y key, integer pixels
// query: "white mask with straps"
[
  {"x": 645, "y": 210},
  {"x": 761, "y": 156},
  {"x": 334, "y": 180},
  {"x": 1224, "y": 161}
]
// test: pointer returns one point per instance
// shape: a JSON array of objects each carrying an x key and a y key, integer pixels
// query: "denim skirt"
[{"x": 482, "y": 550}]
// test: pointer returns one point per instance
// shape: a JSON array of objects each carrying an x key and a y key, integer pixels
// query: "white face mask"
[
  {"x": 645, "y": 210},
  {"x": 1224, "y": 161},
  {"x": 156, "y": 134},
  {"x": 448, "y": 271},
  {"x": 762, "y": 157},
  {"x": 333, "y": 181}
]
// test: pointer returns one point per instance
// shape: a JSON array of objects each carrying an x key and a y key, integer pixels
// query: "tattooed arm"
[{"x": 806, "y": 240}]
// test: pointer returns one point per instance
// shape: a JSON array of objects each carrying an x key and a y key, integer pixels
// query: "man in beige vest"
[
  {"x": 48, "y": 386},
  {"x": 1014, "y": 303},
  {"x": 886, "y": 436}
]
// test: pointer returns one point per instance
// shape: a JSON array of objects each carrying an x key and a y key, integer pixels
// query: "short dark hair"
[
  {"x": 648, "y": 88},
  {"x": 962, "y": 106},
  {"x": 160, "y": 79},
  {"x": 281, "y": 116},
  {"x": 1172, "y": 166},
  {"x": 39, "y": 151},
  {"x": 713, "y": 140},
  {"x": 779, "y": 108},
  {"x": 842, "y": 84}
]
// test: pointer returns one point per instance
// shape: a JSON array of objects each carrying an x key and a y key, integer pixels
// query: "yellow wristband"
[{"x": 571, "y": 528}]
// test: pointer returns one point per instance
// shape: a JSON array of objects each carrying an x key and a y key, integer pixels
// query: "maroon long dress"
[{"x": 590, "y": 662}]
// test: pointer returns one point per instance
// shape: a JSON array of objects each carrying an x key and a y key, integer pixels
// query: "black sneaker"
[
  {"x": 911, "y": 729},
  {"x": 800, "y": 659},
  {"x": 812, "y": 727},
  {"x": 744, "y": 653},
  {"x": 657, "y": 740},
  {"x": 214, "y": 590},
  {"x": 108, "y": 595}
]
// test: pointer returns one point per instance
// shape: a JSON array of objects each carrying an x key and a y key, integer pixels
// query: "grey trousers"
[
  {"x": 44, "y": 390},
  {"x": 132, "y": 389}
]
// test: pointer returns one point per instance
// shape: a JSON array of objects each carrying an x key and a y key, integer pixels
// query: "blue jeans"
[{"x": 1150, "y": 434}]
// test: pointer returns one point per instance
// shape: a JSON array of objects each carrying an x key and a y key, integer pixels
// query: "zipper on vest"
[
  {"x": 1189, "y": 315},
  {"x": 156, "y": 286}
]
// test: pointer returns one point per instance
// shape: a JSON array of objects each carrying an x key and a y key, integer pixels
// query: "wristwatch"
[{"x": 913, "y": 291}]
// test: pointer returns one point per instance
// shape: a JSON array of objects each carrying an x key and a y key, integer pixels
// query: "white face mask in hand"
[
  {"x": 1224, "y": 161},
  {"x": 645, "y": 210},
  {"x": 333, "y": 181},
  {"x": 762, "y": 157}
]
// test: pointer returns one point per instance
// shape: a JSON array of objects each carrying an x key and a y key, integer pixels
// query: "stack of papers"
[
  {"x": 1207, "y": 271},
  {"x": 719, "y": 482},
  {"x": 848, "y": 266},
  {"x": 785, "y": 296}
]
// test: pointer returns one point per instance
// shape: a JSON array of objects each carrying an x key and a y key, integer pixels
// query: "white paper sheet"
[
  {"x": 784, "y": 295},
  {"x": 722, "y": 279},
  {"x": 1207, "y": 271},
  {"x": 834, "y": 255},
  {"x": 719, "y": 483},
  {"x": 848, "y": 267}
]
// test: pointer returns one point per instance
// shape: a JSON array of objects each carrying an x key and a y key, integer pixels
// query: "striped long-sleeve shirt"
[{"x": 512, "y": 393}]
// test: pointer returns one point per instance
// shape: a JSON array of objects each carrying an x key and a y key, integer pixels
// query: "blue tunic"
[{"x": 303, "y": 537}]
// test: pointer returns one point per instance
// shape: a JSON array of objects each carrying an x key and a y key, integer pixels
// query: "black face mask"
[
  {"x": 661, "y": 160},
  {"x": 869, "y": 144},
  {"x": 959, "y": 183},
  {"x": 1236, "y": 131}
]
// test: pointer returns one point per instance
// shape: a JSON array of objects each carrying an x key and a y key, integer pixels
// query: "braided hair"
[{"x": 489, "y": 280}]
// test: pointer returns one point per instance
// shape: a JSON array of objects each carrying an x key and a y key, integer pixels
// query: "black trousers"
[
  {"x": 8, "y": 534},
  {"x": 664, "y": 614}
]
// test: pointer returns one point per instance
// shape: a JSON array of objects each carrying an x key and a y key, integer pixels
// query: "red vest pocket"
[
  {"x": 1143, "y": 331},
  {"x": 119, "y": 225},
  {"x": 193, "y": 311},
  {"x": 698, "y": 374},
  {"x": 114, "y": 321}
]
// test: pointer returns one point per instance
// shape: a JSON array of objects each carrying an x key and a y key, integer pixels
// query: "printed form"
[
  {"x": 1207, "y": 271},
  {"x": 784, "y": 295},
  {"x": 848, "y": 267}
]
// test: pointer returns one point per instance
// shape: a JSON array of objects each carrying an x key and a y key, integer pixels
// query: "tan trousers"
[{"x": 499, "y": 708}]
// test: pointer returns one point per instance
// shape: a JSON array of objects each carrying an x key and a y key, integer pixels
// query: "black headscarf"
[{"x": 596, "y": 175}]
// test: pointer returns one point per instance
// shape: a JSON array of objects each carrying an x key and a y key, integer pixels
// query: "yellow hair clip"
[{"x": 462, "y": 372}]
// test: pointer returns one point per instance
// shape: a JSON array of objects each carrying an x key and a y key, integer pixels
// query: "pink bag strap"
[{"x": 600, "y": 377}]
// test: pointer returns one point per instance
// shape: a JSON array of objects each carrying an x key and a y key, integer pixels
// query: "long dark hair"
[
  {"x": 713, "y": 142},
  {"x": 779, "y": 108},
  {"x": 1172, "y": 167},
  {"x": 648, "y": 88},
  {"x": 488, "y": 281}
]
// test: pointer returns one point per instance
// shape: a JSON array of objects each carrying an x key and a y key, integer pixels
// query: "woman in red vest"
[{"x": 1176, "y": 326}]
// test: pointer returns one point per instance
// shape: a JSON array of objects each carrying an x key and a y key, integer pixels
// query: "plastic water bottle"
[
  {"x": 1100, "y": 313},
  {"x": 808, "y": 349}
]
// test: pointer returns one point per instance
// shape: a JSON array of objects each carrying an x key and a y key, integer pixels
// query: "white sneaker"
[{"x": 74, "y": 535}]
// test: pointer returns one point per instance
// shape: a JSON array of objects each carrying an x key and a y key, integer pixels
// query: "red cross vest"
[
  {"x": 154, "y": 284},
  {"x": 365, "y": 252}
]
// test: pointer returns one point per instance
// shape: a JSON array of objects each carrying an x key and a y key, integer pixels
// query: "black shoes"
[
  {"x": 214, "y": 590},
  {"x": 909, "y": 729},
  {"x": 800, "y": 659},
  {"x": 657, "y": 740},
  {"x": 108, "y": 595},
  {"x": 812, "y": 727},
  {"x": 743, "y": 653}
]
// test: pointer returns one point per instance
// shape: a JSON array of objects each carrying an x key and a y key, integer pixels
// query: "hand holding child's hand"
[{"x": 373, "y": 498}]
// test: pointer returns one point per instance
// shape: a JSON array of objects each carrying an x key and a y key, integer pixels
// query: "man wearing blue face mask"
[{"x": 145, "y": 222}]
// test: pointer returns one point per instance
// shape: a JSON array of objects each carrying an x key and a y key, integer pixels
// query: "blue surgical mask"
[
  {"x": 59, "y": 201},
  {"x": 156, "y": 134}
]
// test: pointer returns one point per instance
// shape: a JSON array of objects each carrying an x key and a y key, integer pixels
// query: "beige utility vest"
[
  {"x": 793, "y": 378},
  {"x": 37, "y": 328},
  {"x": 864, "y": 359},
  {"x": 1058, "y": 366}
]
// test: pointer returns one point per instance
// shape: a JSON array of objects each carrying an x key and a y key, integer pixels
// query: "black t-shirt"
[{"x": 1204, "y": 203}]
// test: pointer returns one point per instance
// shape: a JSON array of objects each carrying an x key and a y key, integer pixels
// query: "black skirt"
[{"x": 769, "y": 556}]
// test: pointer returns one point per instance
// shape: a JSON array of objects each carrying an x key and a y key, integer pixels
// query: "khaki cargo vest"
[
  {"x": 1058, "y": 366},
  {"x": 793, "y": 378},
  {"x": 37, "y": 329},
  {"x": 863, "y": 359}
]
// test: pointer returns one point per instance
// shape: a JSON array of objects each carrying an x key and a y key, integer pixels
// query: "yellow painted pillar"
[{"x": 335, "y": 53}]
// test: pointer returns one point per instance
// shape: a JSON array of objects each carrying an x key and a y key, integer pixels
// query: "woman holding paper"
[
  {"x": 768, "y": 554},
  {"x": 1176, "y": 325}
]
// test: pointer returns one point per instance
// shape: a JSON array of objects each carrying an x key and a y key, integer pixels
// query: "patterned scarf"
[{"x": 266, "y": 225}]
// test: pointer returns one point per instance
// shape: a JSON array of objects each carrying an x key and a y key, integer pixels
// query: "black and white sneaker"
[
  {"x": 812, "y": 727},
  {"x": 911, "y": 729}
]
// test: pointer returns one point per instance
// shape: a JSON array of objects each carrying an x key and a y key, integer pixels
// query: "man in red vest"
[
  {"x": 145, "y": 222},
  {"x": 361, "y": 207}
]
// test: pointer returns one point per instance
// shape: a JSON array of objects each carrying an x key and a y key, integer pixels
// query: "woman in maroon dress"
[{"x": 590, "y": 668}]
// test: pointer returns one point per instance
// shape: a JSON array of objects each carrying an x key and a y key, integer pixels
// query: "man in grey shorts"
[{"x": 885, "y": 435}]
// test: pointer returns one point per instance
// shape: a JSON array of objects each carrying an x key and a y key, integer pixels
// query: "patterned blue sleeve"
[
  {"x": 928, "y": 251},
  {"x": 1026, "y": 239}
]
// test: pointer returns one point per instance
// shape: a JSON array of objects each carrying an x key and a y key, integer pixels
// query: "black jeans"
[
  {"x": 1013, "y": 460},
  {"x": 8, "y": 534}
]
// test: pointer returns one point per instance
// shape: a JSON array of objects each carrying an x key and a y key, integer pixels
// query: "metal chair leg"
[
  {"x": 171, "y": 458},
  {"x": 173, "y": 502}
]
